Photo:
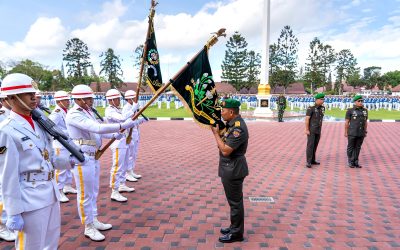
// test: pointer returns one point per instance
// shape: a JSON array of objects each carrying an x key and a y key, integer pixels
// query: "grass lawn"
[{"x": 381, "y": 114}]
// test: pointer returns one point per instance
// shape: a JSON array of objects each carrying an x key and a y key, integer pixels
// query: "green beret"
[
  {"x": 319, "y": 96},
  {"x": 357, "y": 97},
  {"x": 230, "y": 103}
]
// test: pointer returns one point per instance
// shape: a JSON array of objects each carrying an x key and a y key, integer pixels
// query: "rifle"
[
  {"x": 51, "y": 128},
  {"x": 46, "y": 109},
  {"x": 97, "y": 114}
]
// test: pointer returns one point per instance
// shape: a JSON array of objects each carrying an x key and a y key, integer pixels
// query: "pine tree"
[
  {"x": 77, "y": 56},
  {"x": 111, "y": 68},
  {"x": 253, "y": 69},
  {"x": 314, "y": 70},
  {"x": 234, "y": 64},
  {"x": 137, "y": 57},
  {"x": 346, "y": 67}
]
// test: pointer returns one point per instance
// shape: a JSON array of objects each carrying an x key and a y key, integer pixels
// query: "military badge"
[
  {"x": 2, "y": 112},
  {"x": 3, "y": 150},
  {"x": 236, "y": 133},
  {"x": 46, "y": 154},
  {"x": 57, "y": 110},
  {"x": 237, "y": 124}
]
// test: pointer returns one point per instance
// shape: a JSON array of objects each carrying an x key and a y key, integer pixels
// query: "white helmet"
[
  {"x": 113, "y": 94},
  {"x": 2, "y": 95},
  {"x": 82, "y": 91},
  {"x": 61, "y": 95},
  {"x": 130, "y": 94},
  {"x": 18, "y": 83}
]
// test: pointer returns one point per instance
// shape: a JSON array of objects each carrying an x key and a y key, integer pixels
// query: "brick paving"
[{"x": 180, "y": 204}]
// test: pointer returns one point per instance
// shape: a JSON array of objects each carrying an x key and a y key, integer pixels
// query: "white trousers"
[
  {"x": 120, "y": 161},
  {"x": 63, "y": 177},
  {"x": 41, "y": 229},
  {"x": 87, "y": 178},
  {"x": 132, "y": 153}
]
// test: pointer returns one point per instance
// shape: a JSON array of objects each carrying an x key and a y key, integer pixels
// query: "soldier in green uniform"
[
  {"x": 233, "y": 167},
  {"x": 281, "y": 107},
  {"x": 355, "y": 130},
  {"x": 314, "y": 117}
]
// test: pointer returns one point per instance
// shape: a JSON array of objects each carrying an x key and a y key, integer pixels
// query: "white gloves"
[
  {"x": 129, "y": 123},
  {"x": 118, "y": 136},
  {"x": 142, "y": 120},
  {"x": 74, "y": 161},
  {"x": 15, "y": 222}
]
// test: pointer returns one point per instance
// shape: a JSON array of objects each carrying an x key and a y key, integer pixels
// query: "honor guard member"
[
  {"x": 314, "y": 117},
  {"x": 63, "y": 177},
  {"x": 29, "y": 191},
  {"x": 5, "y": 233},
  {"x": 233, "y": 167},
  {"x": 281, "y": 107},
  {"x": 119, "y": 149},
  {"x": 134, "y": 144},
  {"x": 87, "y": 133},
  {"x": 355, "y": 130}
]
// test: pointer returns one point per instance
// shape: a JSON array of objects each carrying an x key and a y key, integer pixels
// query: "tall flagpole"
[{"x": 264, "y": 90}]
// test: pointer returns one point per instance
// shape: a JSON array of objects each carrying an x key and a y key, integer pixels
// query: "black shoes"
[
  {"x": 229, "y": 238},
  {"x": 358, "y": 166},
  {"x": 225, "y": 230},
  {"x": 315, "y": 163},
  {"x": 308, "y": 165},
  {"x": 351, "y": 165}
]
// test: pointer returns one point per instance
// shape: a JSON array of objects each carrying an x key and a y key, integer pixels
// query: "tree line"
[{"x": 240, "y": 67}]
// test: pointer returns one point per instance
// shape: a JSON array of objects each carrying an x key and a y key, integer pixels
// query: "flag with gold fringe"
[
  {"x": 153, "y": 76},
  {"x": 195, "y": 87}
]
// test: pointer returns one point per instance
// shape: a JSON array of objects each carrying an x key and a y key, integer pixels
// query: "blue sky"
[{"x": 39, "y": 29}]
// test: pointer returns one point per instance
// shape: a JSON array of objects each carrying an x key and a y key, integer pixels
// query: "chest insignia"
[
  {"x": 236, "y": 133},
  {"x": 2, "y": 112}
]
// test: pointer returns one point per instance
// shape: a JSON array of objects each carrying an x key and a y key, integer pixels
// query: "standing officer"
[
  {"x": 134, "y": 144},
  {"x": 355, "y": 130},
  {"x": 119, "y": 149},
  {"x": 87, "y": 133},
  {"x": 314, "y": 117},
  {"x": 29, "y": 191},
  {"x": 5, "y": 233},
  {"x": 233, "y": 166},
  {"x": 281, "y": 107},
  {"x": 63, "y": 177}
]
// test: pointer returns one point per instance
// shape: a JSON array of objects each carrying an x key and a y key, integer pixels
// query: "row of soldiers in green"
[{"x": 355, "y": 129}]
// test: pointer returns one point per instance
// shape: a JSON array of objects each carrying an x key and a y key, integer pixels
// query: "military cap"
[
  {"x": 230, "y": 103},
  {"x": 357, "y": 97},
  {"x": 319, "y": 96}
]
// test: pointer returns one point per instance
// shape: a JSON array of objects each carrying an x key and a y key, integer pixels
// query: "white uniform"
[
  {"x": 28, "y": 186},
  {"x": 85, "y": 130},
  {"x": 120, "y": 156},
  {"x": 4, "y": 113},
  {"x": 63, "y": 177},
  {"x": 134, "y": 145}
]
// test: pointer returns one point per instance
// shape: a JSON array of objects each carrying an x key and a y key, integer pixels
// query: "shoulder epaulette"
[
  {"x": 57, "y": 110},
  {"x": 237, "y": 124}
]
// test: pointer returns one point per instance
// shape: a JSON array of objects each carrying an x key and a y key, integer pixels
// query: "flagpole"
[
  {"x": 144, "y": 56},
  {"x": 213, "y": 40}
]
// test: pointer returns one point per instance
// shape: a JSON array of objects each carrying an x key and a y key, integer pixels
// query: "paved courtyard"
[{"x": 179, "y": 203}]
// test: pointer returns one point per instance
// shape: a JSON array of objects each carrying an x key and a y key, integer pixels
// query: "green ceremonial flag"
[
  {"x": 195, "y": 87},
  {"x": 153, "y": 76}
]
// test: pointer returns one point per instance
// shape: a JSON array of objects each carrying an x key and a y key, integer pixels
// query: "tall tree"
[
  {"x": 3, "y": 70},
  {"x": 284, "y": 59},
  {"x": 392, "y": 78},
  {"x": 346, "y": 66},
  {"x": 111, "y": 68},
  {"x": 234, "y": 64},
  {"x": 253, "y": 69},
  {"x": 314, "y": 69},
  {"x": 77, "y": 56},
  {"x": 137, "y": 60},
  {"x": 328, "y": 58}
]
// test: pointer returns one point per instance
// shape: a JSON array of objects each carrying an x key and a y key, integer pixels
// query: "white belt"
[
  {"x": 37, "y": 175},
  {"x": 85, "y": 142}
]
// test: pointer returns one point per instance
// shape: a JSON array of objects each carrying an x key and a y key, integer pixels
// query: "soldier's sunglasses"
[{"x": 360, "y": 101}]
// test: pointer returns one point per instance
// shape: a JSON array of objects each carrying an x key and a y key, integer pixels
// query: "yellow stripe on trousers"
[
  {"x": 57, "y": 171},
  {"x": 1, "y": 208},
  {"x": 21, "y": 243},
  {"x": 82, "y": 198},
  {"x": 115, "y": 169}
]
